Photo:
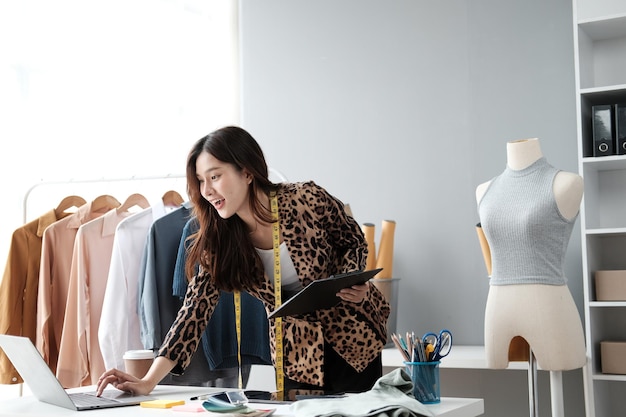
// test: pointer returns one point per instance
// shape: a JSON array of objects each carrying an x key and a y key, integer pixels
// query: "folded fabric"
[{"x": 391, "y": 396}]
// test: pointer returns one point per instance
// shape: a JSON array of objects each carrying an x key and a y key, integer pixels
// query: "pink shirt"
[
  {"x": 80, "y": 360},
  {"x": 54, "y": 275}
]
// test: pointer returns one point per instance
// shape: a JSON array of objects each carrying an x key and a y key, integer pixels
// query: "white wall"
[{"x": 401, "y": 108}]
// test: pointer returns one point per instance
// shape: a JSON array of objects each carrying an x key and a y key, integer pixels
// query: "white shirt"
[
  {"x": 290, "y": 283},
  {"x": 119, "y": 329}
]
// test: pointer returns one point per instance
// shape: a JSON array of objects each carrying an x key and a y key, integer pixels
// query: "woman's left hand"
[{"x": 354, "y": 294}]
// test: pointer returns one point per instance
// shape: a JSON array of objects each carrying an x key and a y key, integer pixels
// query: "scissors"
[{"x": 441, "y": 344}]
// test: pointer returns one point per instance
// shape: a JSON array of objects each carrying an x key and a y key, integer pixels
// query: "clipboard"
[{"x": 321, "y": 294}]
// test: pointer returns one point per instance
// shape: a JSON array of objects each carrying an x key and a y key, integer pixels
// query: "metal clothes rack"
[
  {"x": 104, "y": 180},
  {"x": 274, "y": 174}
]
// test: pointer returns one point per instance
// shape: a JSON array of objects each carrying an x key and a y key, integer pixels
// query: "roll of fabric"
[
  {"x": 484, "y": 246},
  {"x": 369, "y": 230},
  {"x": 385, "y": 251}
]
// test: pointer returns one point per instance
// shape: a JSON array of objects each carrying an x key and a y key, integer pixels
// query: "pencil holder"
[{"x": 425, "y": 378}]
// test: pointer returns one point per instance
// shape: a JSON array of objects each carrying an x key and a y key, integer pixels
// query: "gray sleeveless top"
[{"x": 527, "y": 234}]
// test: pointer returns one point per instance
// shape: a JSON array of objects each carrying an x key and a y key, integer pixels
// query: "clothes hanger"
[
  {"x": 67, "y": 203},
  {"x": 172, "y": 198},
  {"x": 134, "y": 200},
  {"x": 104, "y": 203}
]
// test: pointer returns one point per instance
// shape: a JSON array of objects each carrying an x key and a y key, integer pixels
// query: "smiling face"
[{"x": 224, "y": 186}]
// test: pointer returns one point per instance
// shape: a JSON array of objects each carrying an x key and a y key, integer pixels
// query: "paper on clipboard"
[{"x": 321, "y": 294}]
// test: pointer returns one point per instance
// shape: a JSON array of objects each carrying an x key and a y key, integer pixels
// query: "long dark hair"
[{"x": 223, "y": 246}]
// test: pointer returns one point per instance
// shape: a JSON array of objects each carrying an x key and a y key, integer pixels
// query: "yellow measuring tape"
[
  {"x": 278, "y": 323},
  {"x": 280, "y": 375},
  {"x": 237, "y": 301}
]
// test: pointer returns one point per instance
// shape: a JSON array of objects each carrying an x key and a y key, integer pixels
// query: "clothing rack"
[
  {"x": 165, "y": 183},
  {"x": 178, "y": 181},
  {"x": 72, "y": 183}
]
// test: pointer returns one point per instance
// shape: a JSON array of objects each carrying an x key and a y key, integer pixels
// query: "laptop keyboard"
[{"x": 88, "y": 400}]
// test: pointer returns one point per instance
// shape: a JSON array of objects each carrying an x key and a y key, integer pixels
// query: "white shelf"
[
  {"x": 600, "y": 51},
  {"x": 609, "y": 377},
  {"x": 605, "y": 163},
  {"x": 605, "y": 304},
  {"x": 460, "y": 357},
  {"x": 605, "y": 27},
  {"x": 606, "y": 231},
  {"x": 607, "y": 91}
]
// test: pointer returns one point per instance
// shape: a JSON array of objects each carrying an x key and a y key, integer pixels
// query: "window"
[{"x": 109, "y": 88}]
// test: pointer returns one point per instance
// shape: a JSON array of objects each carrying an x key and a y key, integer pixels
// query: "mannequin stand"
[
  {"x": 532, "y": 384},
  {"x": 556, "y": 389}
]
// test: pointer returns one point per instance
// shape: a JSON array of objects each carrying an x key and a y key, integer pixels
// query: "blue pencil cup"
[{"x": 425, "y": 378}]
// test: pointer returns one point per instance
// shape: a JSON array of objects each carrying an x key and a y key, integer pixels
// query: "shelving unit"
[{"x": 600, "y": 54}]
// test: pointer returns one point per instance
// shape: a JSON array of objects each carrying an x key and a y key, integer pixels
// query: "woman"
[{"x": 334, "y": 350}]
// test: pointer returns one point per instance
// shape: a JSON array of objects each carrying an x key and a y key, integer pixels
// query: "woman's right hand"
[{"x": 124, "y": 382}]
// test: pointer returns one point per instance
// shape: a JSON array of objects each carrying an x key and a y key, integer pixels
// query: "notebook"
[
  {"x": 321, "y": 294},
  {"x": 47, "y": 388}
]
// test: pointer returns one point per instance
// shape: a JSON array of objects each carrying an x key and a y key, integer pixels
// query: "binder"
[
  {"x": 603, "y": 130},
  {"x": 321, "y": 294},
  {"x": 620, "y": 128}
]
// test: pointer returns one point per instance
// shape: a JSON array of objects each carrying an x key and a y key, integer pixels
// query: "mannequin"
[
  {"x": 527, "y": 214},
  {"x": 544, "y": 314}
]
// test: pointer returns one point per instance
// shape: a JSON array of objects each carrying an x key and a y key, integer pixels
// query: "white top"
[{"x": 289, "y": 277}]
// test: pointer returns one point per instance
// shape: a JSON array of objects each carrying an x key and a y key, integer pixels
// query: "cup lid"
[{"x": 139, "y": 354}]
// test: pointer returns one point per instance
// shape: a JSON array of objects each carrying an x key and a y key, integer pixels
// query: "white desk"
[{"x": 29, "y": 406}]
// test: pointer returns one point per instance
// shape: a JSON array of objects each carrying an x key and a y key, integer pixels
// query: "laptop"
[
  {"x": 47, "y": 388},
  {"x": 321, "y": 294}
]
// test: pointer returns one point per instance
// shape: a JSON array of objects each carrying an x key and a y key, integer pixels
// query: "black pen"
[{"x": 200, "y": 397}]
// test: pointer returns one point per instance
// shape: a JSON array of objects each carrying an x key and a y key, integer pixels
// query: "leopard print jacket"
[{"x": 322, "y": 240}]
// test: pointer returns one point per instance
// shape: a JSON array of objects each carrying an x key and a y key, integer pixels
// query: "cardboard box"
[
  {"x": 610, "y": 285},
  {"x": 613, "y": 357}
]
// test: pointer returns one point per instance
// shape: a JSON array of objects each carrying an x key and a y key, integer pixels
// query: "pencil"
[{"x": 396, "y": 342}]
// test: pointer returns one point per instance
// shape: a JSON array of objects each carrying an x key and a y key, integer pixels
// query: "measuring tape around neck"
[
  {"x": 278, "y": 321},
  {"x": 237, "y": 301},
  {"x": 280, "y": 376}
]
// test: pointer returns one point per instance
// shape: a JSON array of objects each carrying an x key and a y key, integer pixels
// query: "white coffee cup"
[{"x": 138, "y": 362}]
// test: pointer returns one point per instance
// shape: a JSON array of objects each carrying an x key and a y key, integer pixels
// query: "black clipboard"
[{"x": 321, "y": 294}]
